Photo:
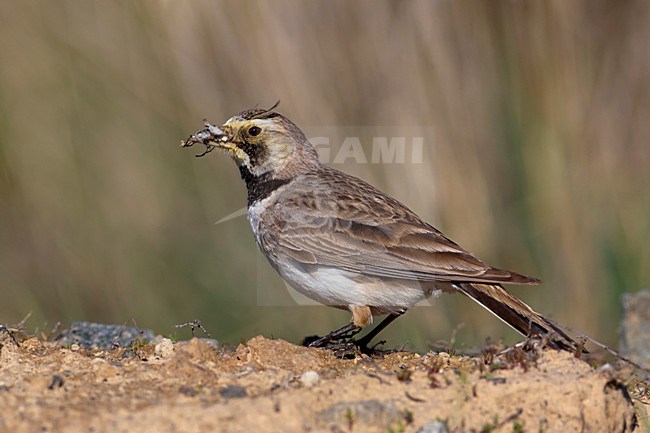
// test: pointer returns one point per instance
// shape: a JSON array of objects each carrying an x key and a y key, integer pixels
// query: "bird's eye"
[{"x": 254, "y": 130}]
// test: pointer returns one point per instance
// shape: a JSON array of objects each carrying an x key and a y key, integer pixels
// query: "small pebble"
[
  {"x": 435, "y": 427},
  {"x": 165, "y": 348},
  {"x": 233, "y": 391},
  {"x": 309, "y": 379},
  {"x": 57, "y": 382}
]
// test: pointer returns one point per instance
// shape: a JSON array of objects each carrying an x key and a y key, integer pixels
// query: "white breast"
[{"x": 254, "y": 216}]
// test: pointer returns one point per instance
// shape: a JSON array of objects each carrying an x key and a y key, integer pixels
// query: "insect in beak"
[{"x": 211, "y": 137}]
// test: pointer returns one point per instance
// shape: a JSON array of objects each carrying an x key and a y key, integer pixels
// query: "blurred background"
[{"x": 540, "y": 161}]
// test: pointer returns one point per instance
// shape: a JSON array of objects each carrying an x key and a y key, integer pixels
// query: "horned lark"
[{"x": 342, "y": 242}]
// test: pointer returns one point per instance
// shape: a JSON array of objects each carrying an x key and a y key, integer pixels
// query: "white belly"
[{"x": 340, "y": 288}]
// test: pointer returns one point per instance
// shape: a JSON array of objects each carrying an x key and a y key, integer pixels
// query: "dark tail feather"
[{"x": 518, "y": 315}]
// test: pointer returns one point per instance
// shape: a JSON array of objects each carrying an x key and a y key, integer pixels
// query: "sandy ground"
[{"x": 274, "y": 386}]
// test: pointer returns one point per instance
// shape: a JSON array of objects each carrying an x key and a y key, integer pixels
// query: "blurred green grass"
[{"x": 540, "y": 160}]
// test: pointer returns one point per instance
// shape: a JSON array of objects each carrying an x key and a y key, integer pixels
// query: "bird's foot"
[
  {"x": 364, "y": 347},
  {"x": 345, "y": 347},
  {"x": 333, "y": 339}
]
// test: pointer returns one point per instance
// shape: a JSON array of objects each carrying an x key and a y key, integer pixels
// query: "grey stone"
[
  {"x": 91, "y": 335},
  {"x": 368, "y": 412},
  {"x": 434, "y": 427},
  {"x": 233, "y": 391},
  {"x": 635, "y": 327}
]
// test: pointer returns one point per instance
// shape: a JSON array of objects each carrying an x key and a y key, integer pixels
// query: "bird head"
[{"x": 262, "y": 142}]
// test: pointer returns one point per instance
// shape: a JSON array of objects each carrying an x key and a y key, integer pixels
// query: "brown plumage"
[{"x": 342, "y": 242}]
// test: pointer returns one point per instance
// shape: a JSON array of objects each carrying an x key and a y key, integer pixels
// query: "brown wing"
[{"x": 334, "y": 219}]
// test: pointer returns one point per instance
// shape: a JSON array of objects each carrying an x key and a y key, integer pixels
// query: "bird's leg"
[
  {"x": 347, "y": 331},
  {"x": 363, "y": 342}
]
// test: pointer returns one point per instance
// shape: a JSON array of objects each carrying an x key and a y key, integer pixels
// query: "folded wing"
[{"x": 362, "y": 230}]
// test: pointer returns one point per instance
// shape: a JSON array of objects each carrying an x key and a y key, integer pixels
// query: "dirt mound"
[{"x": 274, "y": 386}]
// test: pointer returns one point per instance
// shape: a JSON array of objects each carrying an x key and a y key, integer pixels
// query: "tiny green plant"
[
  {"x": 350, "y": 417},
  {"x": 138, "y": 343},
  {"x": 398, "y": 427},
  {"x": 463, "y": 375},
  {"x": 408, "y": 417},
  {"x": 518, "y": 427},
  {"x": 489, "y": 427}
]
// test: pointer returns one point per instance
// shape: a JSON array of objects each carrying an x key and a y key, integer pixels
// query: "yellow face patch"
[
  {"x": 250, "y": 137},
  {"x": 235, "y": 152}
]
